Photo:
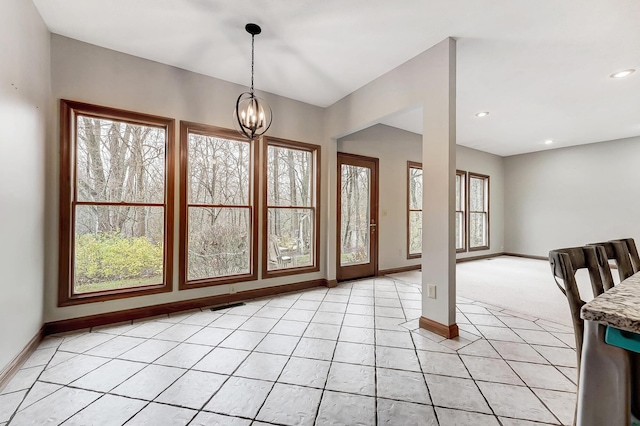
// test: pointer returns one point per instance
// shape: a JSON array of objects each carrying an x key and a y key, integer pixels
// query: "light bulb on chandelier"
[{"x": 252, "y": 116}]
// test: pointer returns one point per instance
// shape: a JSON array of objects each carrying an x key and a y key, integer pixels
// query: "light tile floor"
[{"x": 348, "y": 355}]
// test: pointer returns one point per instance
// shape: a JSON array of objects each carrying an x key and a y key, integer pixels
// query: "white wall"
[
  {"x": 25, "y": 101},
  {"x": 394, "y": 147},
  {"x": 87, "y": 73},
  {"x": 572, "y": 196}
]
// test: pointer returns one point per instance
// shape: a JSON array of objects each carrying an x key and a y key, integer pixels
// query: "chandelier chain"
[{"x": 252, "y": 43}]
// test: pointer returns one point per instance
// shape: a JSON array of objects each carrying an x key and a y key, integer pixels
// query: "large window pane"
[
  {"x": 415, "y": 188},
  {"x": 119, "y": 162},
  {"x": 460, "y": 210},
  {"x": 219, "y": 207},
  {"x": 476, "y": 194},
  {"x": 118, "y": 247},
  {"x": 219, "y": 242},
  {"x": 415, "y": 232},
  {"x": 414, "y": 207},
  {"x": 478, "y": 211},
  {"x": 289, "y": 177},
  {"x": 459, "y": 230},
  {"x": 458, "y": 192},
  {"x": 291, "y": 194},
  {"x": 356, "y": 215},
  {"x": 477, "y": 229},
  {"x": 218, "y": 171},
  {"x": 115, "y": 212},
  {"x": 290, "y": 238}
]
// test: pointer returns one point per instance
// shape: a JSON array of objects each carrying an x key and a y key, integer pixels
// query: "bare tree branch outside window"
[
  {"x": 415, "y": 210},
  {"x": 119, "y": 207},
  {"x": 460, "y": 210},
  {"x": 478, "y": 211},
  {"x": 290, "y": 208},
  {"x": 219, "y": 207}
]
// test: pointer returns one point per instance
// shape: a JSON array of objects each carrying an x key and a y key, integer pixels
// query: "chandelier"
[{"x": 252, "y": 116}]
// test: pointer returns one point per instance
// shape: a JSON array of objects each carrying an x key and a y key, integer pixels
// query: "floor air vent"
[{"x": 231, "y": 305}]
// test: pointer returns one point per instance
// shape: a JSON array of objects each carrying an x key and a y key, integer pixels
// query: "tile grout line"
[
  {"x": 477, "y": 387},
  {"x": 149, "y": 402},
  {"x": 424, "y": 378},
  {"x": 147, "y": 364},
  {"x": 45, "y": 369},
  {"x": 504, "y": 360},
  {"x": 241, "y": 363},
  {"x": 530, "y": 345},
  {"x": 31, "y": 387},
  {"x": 525, "y": 383},
  {"x": 324, "y": 387},
  {"x": 288, "y": 359},
  {"x": 190, "y": 369},
  {"x": 375, "y": 355}
]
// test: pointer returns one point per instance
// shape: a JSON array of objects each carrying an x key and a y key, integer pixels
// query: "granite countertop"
[{"x": 618, "y": 307}]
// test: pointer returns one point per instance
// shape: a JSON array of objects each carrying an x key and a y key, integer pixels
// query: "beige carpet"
[{"x": 522, "y": 285}]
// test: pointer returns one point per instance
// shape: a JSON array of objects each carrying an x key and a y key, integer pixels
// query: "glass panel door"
[{"x": 357, "y": 216}]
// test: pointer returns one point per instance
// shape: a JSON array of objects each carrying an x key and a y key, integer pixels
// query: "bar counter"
[{"x": 607, "y": 373}]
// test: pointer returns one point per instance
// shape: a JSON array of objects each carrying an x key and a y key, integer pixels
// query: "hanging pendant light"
[{"x": 252, "y": 116}]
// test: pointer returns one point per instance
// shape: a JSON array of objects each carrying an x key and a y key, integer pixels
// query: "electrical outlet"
[
  {"x": 431, "y": 291},
  {"x": 400, "y": 252},
  {"x": 232, "y": 289}
]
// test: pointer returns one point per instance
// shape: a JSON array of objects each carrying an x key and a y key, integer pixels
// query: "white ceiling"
[{"x": 540, "y": 67}]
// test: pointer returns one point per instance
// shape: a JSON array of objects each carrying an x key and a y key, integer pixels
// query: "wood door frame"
[{"x": 375, "y": 204}]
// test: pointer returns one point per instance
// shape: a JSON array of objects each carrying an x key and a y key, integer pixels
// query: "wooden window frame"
[
  {"x": 411, "y": 165},
  {"x": 315, "y": 151},
  {"x": 486, "y": 178},
  {"x": 69, "y": 110},
  {"x": 186, "y": 128},
  {"x": 464, "y": 207}
]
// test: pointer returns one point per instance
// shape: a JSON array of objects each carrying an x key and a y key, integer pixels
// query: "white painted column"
[{"x": 438, "y": 200}]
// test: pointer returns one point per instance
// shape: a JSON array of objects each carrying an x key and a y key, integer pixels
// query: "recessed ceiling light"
[
  {"x": 482, "y": 114},
  {"x": 622, "y": 74},
  {"x": 548, "y": 142}
]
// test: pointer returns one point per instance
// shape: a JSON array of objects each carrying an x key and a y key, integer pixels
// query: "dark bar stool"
[
  {"x": 633, "y": 253},
  {"x": 564, "y": 265},
  {"x": 617, "y": 251}
]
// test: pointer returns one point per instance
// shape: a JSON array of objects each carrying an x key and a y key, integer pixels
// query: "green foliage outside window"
[{"x": 111, "y": 257}]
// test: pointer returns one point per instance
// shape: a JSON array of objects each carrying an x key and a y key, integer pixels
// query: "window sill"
[
  {"x": 212, "y": 282},
  {"x": 290, "y": 271},
  {"x": 103, "y": 296},
  {"x": 478, "y": 248}
]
